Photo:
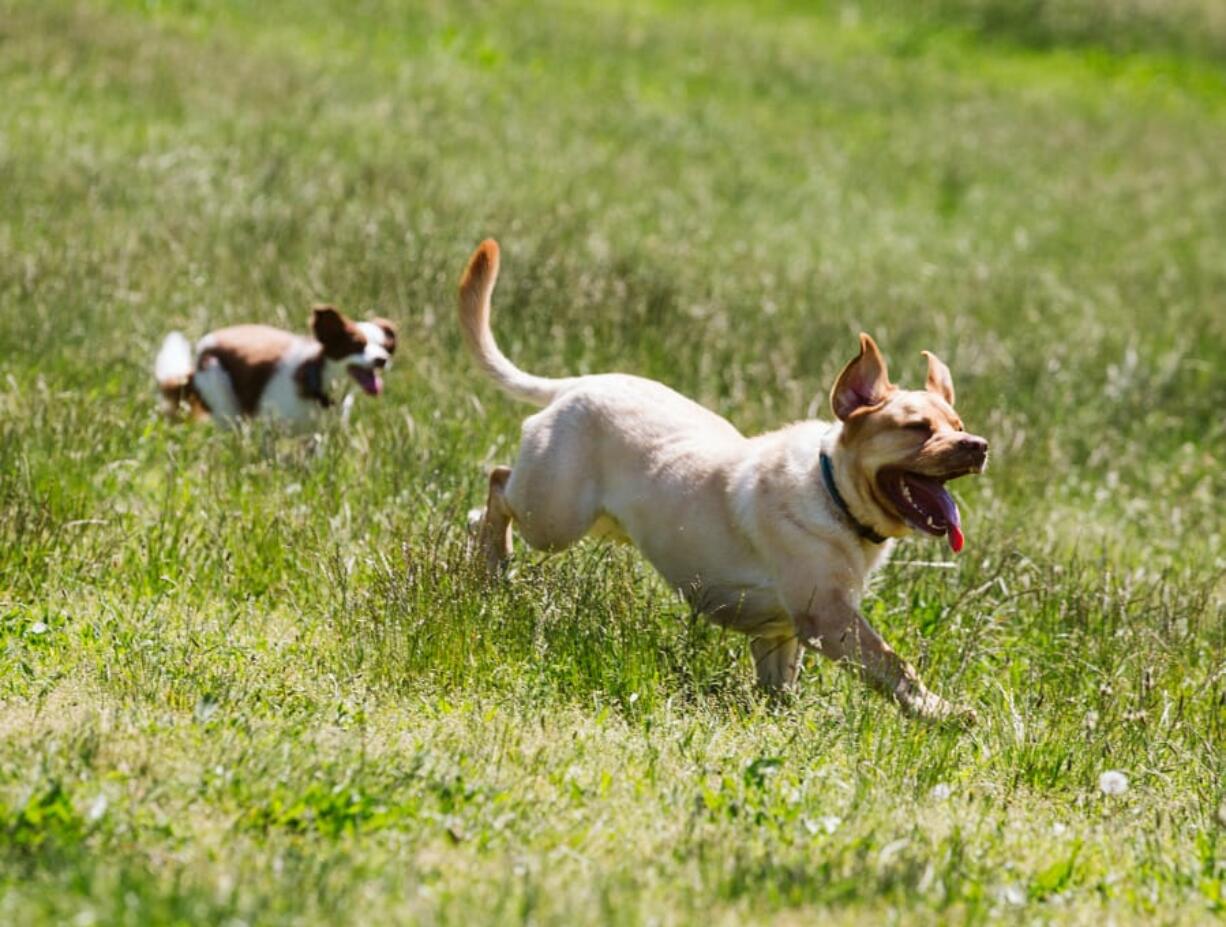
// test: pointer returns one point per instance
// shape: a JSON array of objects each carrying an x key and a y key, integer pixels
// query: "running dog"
[
  {"x": 773, "y": 536},
  {"x": 246, "y": 371}
]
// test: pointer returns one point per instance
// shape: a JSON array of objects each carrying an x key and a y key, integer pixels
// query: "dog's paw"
[
  {"x": 924, "y": 705},
  {"x": 965, "y": 716},
  {"x": 960, "y": 717}
]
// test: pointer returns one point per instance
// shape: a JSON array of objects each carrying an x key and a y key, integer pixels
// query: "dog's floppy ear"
[
  {"x": 327, "y": 322},
  {"x": 939, "y": 380},
  {"x": 864, "y": 382}
]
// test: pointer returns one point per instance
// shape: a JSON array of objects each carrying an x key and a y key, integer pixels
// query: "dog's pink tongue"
[
  {"x": 949, "y": 509},
  {"x": 369, "y": 380},
  {"x": 956, "y": 540},
  {"x": 954, "y": 532}
]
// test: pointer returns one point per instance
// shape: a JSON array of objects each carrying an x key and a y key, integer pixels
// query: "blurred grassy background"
[{"x": 246, "y": 681}]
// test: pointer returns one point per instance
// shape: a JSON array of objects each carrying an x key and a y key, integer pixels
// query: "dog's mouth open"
[
  {"x": 924, "y": 503},
  {"x": 368, "y": 379}
]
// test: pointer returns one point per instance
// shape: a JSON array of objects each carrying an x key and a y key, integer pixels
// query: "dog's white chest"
[{"x": 282, "y": 398}]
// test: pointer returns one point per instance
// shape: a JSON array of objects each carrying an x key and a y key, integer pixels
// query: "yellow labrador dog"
[{"x": 773, "y": 536}]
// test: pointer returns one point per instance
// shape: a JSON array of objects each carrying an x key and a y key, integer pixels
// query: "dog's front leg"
[
  {"x": 836, "y": 628},
  {"x": 777, "y": 661}
]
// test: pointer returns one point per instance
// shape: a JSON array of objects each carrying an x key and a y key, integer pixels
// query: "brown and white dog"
[
  {"x": 773, "y": 536},
  {"x": 257, "y": 370}
]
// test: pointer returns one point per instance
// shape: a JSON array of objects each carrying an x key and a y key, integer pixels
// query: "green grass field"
[{"x": 251, "y": 679}]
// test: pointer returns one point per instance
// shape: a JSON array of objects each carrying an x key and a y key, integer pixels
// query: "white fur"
[
  {"x": 281, "y": 399},
  {"x": 173, "y": 366},
  {"x": 376, "y": 342},
  {"x": 216, "y": 389}
]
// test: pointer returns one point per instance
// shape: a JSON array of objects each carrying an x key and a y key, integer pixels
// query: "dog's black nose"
[
  {"x": 974, "y": 445},
  {"x": 380, "y": 362}
]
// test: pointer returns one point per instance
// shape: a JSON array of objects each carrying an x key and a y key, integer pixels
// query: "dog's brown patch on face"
[
  {"x": 249, "y": 354},
  {"x": 334, "y": 330}
]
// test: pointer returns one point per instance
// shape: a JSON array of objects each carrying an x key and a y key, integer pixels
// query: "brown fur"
[
  {"x": 336, "y": 332},
  {"x": 249, "y": 354}
]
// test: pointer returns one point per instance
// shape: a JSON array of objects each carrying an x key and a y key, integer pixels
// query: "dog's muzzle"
[{"x": 973, "y": 453}]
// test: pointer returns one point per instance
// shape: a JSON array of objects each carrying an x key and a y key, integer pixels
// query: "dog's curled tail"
[
  {"x": 173, "y": 370},
  {"x": 476, "y": 286}
]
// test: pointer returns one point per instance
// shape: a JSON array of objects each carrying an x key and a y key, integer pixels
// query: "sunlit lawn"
[{"x": 250, "y": 678}]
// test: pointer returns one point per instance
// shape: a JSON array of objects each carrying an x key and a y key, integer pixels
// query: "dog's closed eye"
[{"x": 923, "y": 427}]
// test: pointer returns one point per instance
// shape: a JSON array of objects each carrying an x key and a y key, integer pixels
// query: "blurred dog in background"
[{"x": 248, "y": 371}]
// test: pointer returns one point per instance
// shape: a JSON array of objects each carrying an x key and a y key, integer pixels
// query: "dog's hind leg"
[
  {"x": 777, "y": 661},
  {"x": 213, "y": 387},
  {"x": 551, "y": 494},
  {"x": 172, "y": 400},
  {"x": 553, "y": 500},
  {"x": 494, "y": 529},
  {"x": 551, "y": 522}
]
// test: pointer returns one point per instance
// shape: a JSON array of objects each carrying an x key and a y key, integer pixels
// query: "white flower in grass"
[
  {"x": 1113, "y": 782},
  {"x": 98, "y": 808},
  {"x": 828, "y": 824},
  {"x": 940, "y": 791},
  {"x": 1012, "y": 894}
]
